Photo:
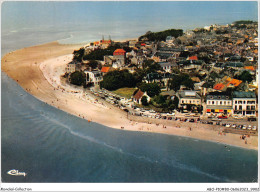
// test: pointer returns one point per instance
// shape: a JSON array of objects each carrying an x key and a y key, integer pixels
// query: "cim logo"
[{"x": 16, "y": 173}]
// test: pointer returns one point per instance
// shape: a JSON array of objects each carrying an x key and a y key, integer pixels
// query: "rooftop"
[
  {"x": 105, "y": 69},
  {"x": 138, "y": 94},
  {"x": 188, "y": 94},
  {"x": 219, "y": 86},
  {"x": 119, "y": 51},
  {"x": 249, "y": 68},
  {"x": 193, "y": 58},
  {"x": 218, "y": 96},
  {"x": 243, "y": 94}
]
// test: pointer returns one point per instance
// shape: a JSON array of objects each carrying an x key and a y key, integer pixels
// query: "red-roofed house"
[
  {"x": 119, "y": 52},
  {"x": 249, "y": 68},
  {"x": 193, "y": 58},
  {"x": 105, "y": 69},
  {"x": 105, "y": 43},
  {"x": 219, "y": 86},
  {"x": 120, "y": 56},
  {"x": 234, "y": 82},
  {"x": 96, "y": 43},
  {"x": 138, "y": 96}
]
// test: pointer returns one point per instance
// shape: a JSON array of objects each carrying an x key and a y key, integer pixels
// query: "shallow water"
[{"x": 53, "y": 146}]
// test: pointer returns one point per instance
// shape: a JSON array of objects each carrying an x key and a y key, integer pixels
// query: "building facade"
[
  {"x": 94, "y": 77},
  {"x": 219, "y": 103},
  {"x": 188, "y": 97},
  {"x": 244, "y": 103},
  {"x": 72, "y": 67},
  {"x": 137, "y": 98},
  {"x": 120, "y": 55}
]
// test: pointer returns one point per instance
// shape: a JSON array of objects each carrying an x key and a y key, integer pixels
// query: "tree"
[
  {"x": 188, "y": 83},
  {"x": 77, "y": 78},
  {"x": 161, "y": 36},
  {"x": 93, "y": 64},
  {"x": 185, "y": 54},
  {"x": 144, "y": 101},
  {"x": 98, "y": 54},
  {"x": 176, "y": 102},
  {"x": 139, "y": 74},
  {"x": 181, "y": 79},
  {"x": 151, "y": 89},
  {"x": 159, "y": 99},
  {"x": 149, "y": 66},
  {"x": 117, "y": 79},
  {"x": 78, "y": 54},
  {"x": 245, "y": 76},
  {"x": 99, "y": 66}
]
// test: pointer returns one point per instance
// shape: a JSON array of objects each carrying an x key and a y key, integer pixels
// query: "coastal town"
[
  {"x": 207, "y": 75},
  {"x": 116, "y": 95},
  {"x": 201, "y": 83}
]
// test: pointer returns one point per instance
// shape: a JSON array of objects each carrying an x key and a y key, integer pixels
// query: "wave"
[
  {"x": 69, "y": 36},
  {"x": 171, "y": 163}
]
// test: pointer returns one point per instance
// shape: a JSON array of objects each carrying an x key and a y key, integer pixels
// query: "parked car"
[
  {"x": 217, "y": 123},
  {"x": 222, "y": 117},
  {"x": 251, "y": 118},
  {"x": 228, "y": 125},
  {"x": 192, "y": 120},
  {"x": 239, "y": 126},
  {"x": 238, "y": 117},
  {"x": 224, "y": 124},
  {"x": 234, "y": 126},
  {"x": 126, "y": 110},
  {"x": 254, "y": 128},
  {"x": 244, "y": 127},
  {"x": 249, "y": 127}
]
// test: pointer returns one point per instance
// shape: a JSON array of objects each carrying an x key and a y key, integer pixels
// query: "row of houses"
[
  {"x": 239, "y": 103},
  {"x": 217, "y": 103}
]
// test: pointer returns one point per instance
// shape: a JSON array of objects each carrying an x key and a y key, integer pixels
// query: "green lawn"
[{"x": 125, "y": 92}]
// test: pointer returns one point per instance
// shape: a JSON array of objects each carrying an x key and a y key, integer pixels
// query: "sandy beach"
[{"x": 37, "y": 69}]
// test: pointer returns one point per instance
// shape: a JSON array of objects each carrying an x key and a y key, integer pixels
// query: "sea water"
[
  {"x": 50, "y": 145},
  {"x": 28, "y": 23}
]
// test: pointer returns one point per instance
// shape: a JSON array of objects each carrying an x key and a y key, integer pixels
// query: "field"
[{"x": 125, "y": 92}]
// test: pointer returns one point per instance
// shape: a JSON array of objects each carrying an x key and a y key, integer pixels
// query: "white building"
[
  {"x": 71, "y": 67},
  {"x": 244, "y": 103},
  {"x": 118, "y": 64},
  {"x": 94, "y": 77},
  {"x": 218, "y": 102},
  {"x": 188, "y": 97},
  {"x": 139, "y": 95},
  {"x": 169, "y": 39},
  {"x": 167, "y": 67}
]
